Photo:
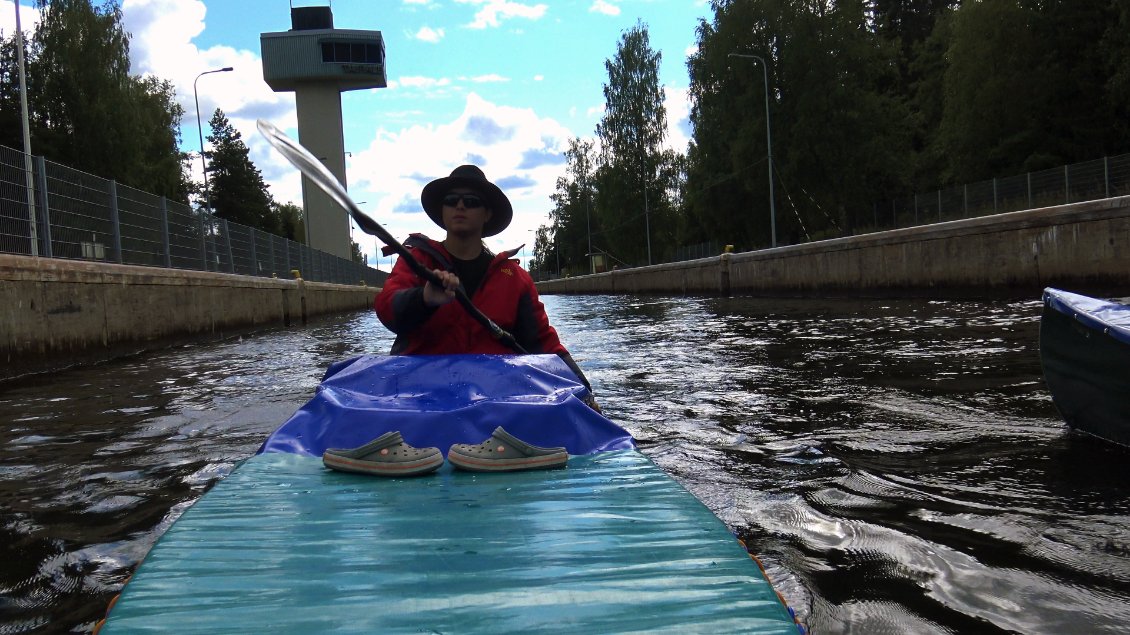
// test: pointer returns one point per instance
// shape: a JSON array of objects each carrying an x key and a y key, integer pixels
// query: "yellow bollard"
[{"x": 296, "y": 273}]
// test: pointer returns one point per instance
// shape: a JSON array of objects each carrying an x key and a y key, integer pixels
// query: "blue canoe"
[
  {"x": 1085, "y": 354},
  {"x": 609, "y": 544}
]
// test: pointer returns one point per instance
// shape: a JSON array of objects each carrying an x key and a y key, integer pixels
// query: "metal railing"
[
  {"x": 81, "y": 216},
  {"x": 1075, "y": 183}
]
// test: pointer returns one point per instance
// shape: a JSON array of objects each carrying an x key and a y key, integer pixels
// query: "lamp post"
[
  {"x": 769, "y": 143},
  {"x": 200, "y": 129},
  {"x": 28, "y": 175}
]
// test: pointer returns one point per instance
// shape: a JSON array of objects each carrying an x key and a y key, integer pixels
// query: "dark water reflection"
[{"x": 898, "y": 464}]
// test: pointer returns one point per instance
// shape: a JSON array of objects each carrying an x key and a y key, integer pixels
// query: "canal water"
[{"x": 897, "y": 464}]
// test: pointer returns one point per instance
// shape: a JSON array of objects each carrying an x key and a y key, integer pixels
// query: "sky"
[{"x": 501, "y": 84}]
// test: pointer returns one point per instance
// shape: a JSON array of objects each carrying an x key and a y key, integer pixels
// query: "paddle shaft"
[
  {"x": 372, "y": 227},
  {"x": 317, "y": 173}
]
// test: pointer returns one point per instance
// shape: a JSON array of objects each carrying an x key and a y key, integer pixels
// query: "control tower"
[{"x": 318, "y": 62}]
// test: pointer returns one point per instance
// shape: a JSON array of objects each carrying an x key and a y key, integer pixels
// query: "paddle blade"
[{"x": 318, "y": 174}]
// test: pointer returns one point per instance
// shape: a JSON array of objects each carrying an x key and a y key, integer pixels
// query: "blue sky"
[{"x": 504, "y": 84}]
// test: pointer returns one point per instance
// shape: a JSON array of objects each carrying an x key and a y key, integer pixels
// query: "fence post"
[
  {"x": 1106, "y": 177},
  {"x": 994, "y": 195},
  {"x": 44, "y": 206},
  {"x": 32, "y": 220},
  {"x": 227, "y": 243},
  {"x": 915, "y": 209},
  {"x": 286, "y": 272},
  {"x": 939, "y": 206},
  {"x": 1066, "y": 186},
  {"x": 894, "y": 216},
  {"x": 203, "y": 242},
  {"x": 1029, "y": 190},
  {"x": 965, "y": 201},
  {"x": 254, "y": 256},
  {"x": 113, "y": 191},
  {"x": 165, "y": 233}
]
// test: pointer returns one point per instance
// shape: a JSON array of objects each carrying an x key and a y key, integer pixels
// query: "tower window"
[{"x": 350, "y": 53}]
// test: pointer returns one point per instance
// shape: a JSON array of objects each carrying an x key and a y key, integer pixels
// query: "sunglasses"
[{"x": 470, "y": 201}]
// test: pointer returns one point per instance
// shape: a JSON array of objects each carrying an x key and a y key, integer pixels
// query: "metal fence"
[
  {"x": 1087, "y": 181},
  {"x": 82, "y": 216}
]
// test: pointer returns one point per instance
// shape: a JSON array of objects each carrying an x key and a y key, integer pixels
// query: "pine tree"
[{"x": 237, "y": 190}]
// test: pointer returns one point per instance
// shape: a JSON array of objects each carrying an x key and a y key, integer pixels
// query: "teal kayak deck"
[{"x": 610, "y": 544}]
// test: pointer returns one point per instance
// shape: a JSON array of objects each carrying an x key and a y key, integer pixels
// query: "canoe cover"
[{"x": 609, "y": 544}]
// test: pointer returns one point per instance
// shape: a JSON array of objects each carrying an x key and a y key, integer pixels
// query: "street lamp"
[
  {"x": 200, "y": 129},
  {"x": 769, "y": 143}
]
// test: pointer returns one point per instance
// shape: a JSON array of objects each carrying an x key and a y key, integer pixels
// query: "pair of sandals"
[{"x": 389, "y": 455}]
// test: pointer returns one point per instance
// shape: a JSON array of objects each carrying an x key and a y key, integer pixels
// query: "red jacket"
[{"x": 506, "y": 295}]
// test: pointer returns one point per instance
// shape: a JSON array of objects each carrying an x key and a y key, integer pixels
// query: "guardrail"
[
  {"x": 1107, "y": 177},
  {"x": 60, "y": 212}
]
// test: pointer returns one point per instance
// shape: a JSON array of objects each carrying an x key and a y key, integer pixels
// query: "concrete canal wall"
[
  {"x": 1081, "y": 246},
  {"x": 55, "y": 313}
]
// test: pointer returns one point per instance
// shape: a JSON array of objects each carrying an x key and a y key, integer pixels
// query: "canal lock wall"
[
  {"x": 56, "y": 313},
  {"x": 1083, "y": 247}
]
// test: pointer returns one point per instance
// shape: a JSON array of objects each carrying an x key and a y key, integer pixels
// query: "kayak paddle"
[{"x": 314, "y": 170}]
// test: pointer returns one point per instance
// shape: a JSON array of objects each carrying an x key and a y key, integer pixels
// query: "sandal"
[
  {"x": 387, "y": 455},
  {"x": 503, "y": 452}
]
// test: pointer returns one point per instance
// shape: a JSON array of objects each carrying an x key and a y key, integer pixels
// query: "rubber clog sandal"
[
  {"x": 387, "y": 455},
  {"x": 503, "y": 452}
]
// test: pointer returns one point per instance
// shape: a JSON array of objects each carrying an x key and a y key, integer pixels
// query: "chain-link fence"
[
  {"x": 50, "y": 210},
  {"x": 1087, "y": 181}
]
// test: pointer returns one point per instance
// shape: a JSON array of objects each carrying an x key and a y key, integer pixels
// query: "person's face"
[{"x": 467, "y": 214}]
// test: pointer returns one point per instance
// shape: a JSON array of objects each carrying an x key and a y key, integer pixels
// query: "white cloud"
[
  {"x": 162, "y": 45},
  {"x": 488, "y": 79},
  {"x": 417, "y": 81},
  {"x": 428, "y": 34},
  {"x": 493, "y": 12},
  {"x": 397, "y": 165},
  {"x": 677, "y": 103},
  {"x": 605, "y": 7},
  {"x": 29, "y": 17}
]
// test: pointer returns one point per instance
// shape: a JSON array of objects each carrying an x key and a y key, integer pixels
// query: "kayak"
[
  {"x": 1085, "y": 354},
  {"x": 608, "y": 543}
]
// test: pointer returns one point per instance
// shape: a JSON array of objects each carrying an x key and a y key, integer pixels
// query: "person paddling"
[{"x": 426, "y": 322}]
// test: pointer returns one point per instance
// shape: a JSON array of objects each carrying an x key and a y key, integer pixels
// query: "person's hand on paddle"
[
  {"x": 591, "y": 402},
  {"x": 435, "y": 296}
]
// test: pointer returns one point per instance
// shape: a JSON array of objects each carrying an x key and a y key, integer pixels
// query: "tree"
[
  {"x": 567, "y": 239},
  {"x": 85, "y": 109},
  {"x": 840, "y": 135},
  {"x": 238, "y": 192},
  {"x": 291, "y": 225},
  {"x": 634, "y": 206}
]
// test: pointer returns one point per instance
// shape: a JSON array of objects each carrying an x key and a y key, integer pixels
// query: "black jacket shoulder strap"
[{"x": 424, "y": 244}]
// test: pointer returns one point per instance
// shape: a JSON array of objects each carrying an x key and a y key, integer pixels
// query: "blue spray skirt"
[{"x": 608, "y": 544}]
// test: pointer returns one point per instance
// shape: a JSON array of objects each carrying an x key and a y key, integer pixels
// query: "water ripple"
[{"x": 897, "y": 465}]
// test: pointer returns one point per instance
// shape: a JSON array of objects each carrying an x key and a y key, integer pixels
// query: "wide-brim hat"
[{"x": 470, "y": 177}]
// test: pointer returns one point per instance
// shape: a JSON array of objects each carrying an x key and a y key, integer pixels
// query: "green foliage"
[
  {"x": 238, "y": 192},
  {"x": 870, "y": 100},
  {"x": 85, "y": 109},
  {"x": 291, "y": 225},
  {"x": 572, "y": 217},
  {"x": 635, "y": 175}
]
